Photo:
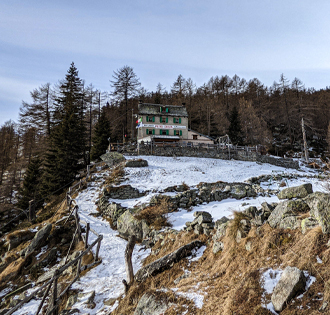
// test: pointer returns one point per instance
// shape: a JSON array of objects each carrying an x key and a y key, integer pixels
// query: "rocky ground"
[{"x": 258, "y": 244}]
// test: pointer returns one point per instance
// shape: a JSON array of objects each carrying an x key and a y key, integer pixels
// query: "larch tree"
[{"x": 125, "y": 84}]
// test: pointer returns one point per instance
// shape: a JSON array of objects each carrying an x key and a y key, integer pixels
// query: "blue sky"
[{"x": 160, "y": 40}]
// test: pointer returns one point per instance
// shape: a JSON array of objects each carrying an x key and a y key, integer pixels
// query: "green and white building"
[{"x": 158, "y": 123}]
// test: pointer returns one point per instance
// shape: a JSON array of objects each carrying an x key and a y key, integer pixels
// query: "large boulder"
[
  {"x": 285, "y": 214},
  {"x": 308, "y": 223},
  {"x": 319, "y": 204},
  {"x": 38, "y": 241},
  {"x": 301, "y": 191},
  {"x": 136, "y": 163},
  {"x": 127, "y": 225},
  {"x": 149, "y": 304},
  {"x": 292, "y": 281},
  {"x": 112, "y": 158}
]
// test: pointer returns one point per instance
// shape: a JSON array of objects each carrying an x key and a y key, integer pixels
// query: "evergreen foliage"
[
  {"x": 234, "y": 130},
  {"x": 101, "y": 135},
  {"x": 67, "y": 142},
  {"x": 31, "y": 185}
]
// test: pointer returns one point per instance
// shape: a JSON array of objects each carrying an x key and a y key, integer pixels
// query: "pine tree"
[
  {"x": 31, "y": 184},
  {"x": 102, "y": 133},
  {"x": 234, "y": 130},
  {"x": 67, "y": 142}
]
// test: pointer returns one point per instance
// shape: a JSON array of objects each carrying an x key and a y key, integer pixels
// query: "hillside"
[{"x": 238, "y": 262}]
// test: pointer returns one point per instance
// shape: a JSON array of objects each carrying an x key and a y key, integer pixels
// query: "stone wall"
[
  {"x": 122, "y": 192},
  {"x": 216, "y": 153}
]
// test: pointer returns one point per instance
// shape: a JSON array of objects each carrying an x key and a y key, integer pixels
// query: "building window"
[
  {"x": 150, "y": 118},
  {"x": 163, "y": 119},
  {"x": 150, "y": 131},
  {"x": 178, "y": 132},
  {"x": 177, "y": 120},
  {"x": 163, "y": 109},
  {"x": 163, "y": 132},
  {"x": 194, "y": 137}
]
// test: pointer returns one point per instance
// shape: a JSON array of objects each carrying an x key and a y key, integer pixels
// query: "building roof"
[
  {"x": 154, "y": 109},
  {"x": 200, "y": 134}
]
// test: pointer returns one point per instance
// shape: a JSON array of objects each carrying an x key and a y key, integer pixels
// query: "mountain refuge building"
[{"x": 162, "y": 123}]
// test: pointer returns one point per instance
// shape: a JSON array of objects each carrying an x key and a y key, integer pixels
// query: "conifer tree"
[
  {"x": 67, "y": 142},
  {"x": 234, "y": 130},
  {"x": 31, "y": 184},
  {"x": 102, "y": 133}
]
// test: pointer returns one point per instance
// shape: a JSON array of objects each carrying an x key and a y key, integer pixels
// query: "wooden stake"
[
  {"x": 304, "y": 138},
  {"x": 128, "y": 259}
]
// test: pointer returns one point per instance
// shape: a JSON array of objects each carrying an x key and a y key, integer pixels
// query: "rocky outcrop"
[
  {"x": 167, "y": 261},
  {"x": 292, "y": 281},
  {"x": 127, "y": 225},
  {"x": 122, "y": 192},
  {"x": 285, "y": 215},
  {"x": 149, "y": 304},
  {"x": 15, "y": 239},
  {"x": 111, "y": 210},
  {"x": 301, "y": 191},
  {"x": 136, "y": 163},
  {"x": 319, "y": 204},
  {"x": 112, "y": 158},
  {"x": 38, "y": 241},
  {"x": 202, "y": 224}
]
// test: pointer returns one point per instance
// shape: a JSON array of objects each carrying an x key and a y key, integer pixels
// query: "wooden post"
[
  {"x": 32, "y": 211},
  {"x": 55, "y": 312},
  {"x": 128, "y": 259},
  {"x": 87, "y": 233},
  {"x": 98, "y": 249},
  {"x": 77, "y": 223},
  {"x": 44, "y": 298},
  {"x": 78, "y": 267},
  {"x": 88, "y": 171},
  {"x": 304, "y": 138}
]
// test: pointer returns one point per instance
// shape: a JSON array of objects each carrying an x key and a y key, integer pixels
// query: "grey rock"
[
  {"x": 292, "y": 281},
  {"x": 71, "y": 300},
  {"x": 217, "y": 246},
  {"x": 308, "y": 223},
  {"x": 150, "y": 305},
  {"x": 128, "y": 225},
  {"x": 136, "y": 163},
  {"x": 221, "y": 230},
  {"x": 319, "y": 204},
  {"x": 296, "y": 192},
  {"x": 38, "y": 241},
  {"x": 288, "y": 208},
  {"x": 248, "y": 246},
  {"x": 221, "y": 221},
  {"x": 112, "y": 158},
  {"x": 184, "y": 276},
  {"x": 323, "y": 307}
]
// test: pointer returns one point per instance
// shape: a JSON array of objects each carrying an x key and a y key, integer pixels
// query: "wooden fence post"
[
  {"x": 32, "y": 211},
  {"x": 55, "y": 292},
  {"x": 78, "y": 267},
  {"x": 98, "y": 249},
  {"x": 128, "y": 259},
  {"x": 76, "y": 215},
  {"x": 87, "y": 233}
]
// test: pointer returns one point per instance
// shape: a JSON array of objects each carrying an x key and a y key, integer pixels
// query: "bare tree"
[{"x": 125, "y": 84}]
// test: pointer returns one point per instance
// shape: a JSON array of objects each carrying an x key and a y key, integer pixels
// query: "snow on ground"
[
  {"x": 106, "y": 278},
  {"x": 162, "y": 172}
]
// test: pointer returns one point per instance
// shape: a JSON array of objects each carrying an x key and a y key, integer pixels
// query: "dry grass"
[
  {"x": 156, "y": 216},
  {"x": 116, "y": 175},
  {"x": 230, "y": 280}
]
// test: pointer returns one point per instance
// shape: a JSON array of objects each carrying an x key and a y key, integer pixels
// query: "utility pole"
[
  {"x": 304, "y": 138},
  {"x": 132, "y": 135}
]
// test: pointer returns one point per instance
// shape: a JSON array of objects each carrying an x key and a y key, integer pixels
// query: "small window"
[
  {"x": 150, "y": 131},
  {"x": 177, "y": 120},
  {"x": 164, "y": 132},
  {"x": 150, "y": 118},
  {"x": 194, "y": 137},
  {"x": 176, "y": 132}
]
